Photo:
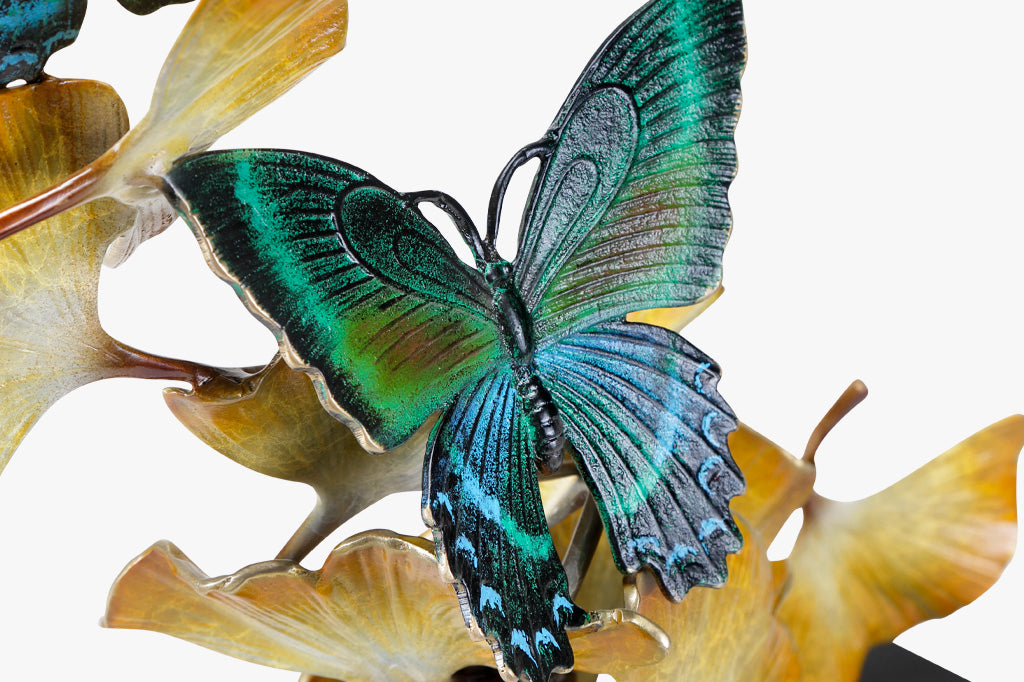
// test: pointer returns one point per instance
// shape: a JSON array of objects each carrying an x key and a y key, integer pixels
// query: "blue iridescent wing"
[
  {"x": 480, "y": 496},
  {"x": 630, "y": 207},
  {"x": 649, "y": 429},
  {"x": 32, "y": 30}
]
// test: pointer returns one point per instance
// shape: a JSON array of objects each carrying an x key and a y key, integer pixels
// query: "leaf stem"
[
  {"x": 854, "y": 394},
  {"x": 137, "y": 364},
  {"x": 75, "y": 190},
  {"x": 581, "y": 548}
]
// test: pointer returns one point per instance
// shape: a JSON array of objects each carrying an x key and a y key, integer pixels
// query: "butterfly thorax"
[{"x": 517, "y": 339}]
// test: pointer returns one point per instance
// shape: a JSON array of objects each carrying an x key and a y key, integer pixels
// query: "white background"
[{"x": 878, "y": 235}]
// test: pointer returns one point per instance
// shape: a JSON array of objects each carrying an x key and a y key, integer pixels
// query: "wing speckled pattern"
[
  {"x": 673, "y": 71},
  {"x": 643, "y": 413},
  {"x": 482, "y": 499},
  {"x": 390, "y": 351},
  {"x": 31, "y": 31}
]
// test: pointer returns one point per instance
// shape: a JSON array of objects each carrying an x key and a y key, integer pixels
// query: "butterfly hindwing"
[
  {"x": 303, "y": 239},
  {"x": 649, "y": 429},
  {"x": 480, "y": 496},
  {"x": 673, "y": 70}
]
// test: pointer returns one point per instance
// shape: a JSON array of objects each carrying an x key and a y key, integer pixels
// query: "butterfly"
[
  {"x": 32, "y": 30},
  {"x": 529, "y": 359}
]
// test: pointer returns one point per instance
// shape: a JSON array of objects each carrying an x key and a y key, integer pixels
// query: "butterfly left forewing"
[
  {"x": 654, "y": 215},
  {"x": 362, "y": 292}
]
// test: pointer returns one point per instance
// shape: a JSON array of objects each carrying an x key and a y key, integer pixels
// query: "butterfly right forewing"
[{"x": 653, "y": 227}]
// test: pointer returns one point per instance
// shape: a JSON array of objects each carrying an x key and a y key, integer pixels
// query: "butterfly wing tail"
[
  {"x": 482, "y": 500},
  {"x": 642, "y": 410}
]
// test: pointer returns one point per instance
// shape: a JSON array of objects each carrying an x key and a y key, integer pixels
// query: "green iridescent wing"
[
  {"x": 630, "y": 208},
  {"x": 481, "y": 497},
  {"x": 31, "y": 31},
  {"x": 363, "y": 293}
]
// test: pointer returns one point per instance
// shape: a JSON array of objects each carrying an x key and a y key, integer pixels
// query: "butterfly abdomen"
[
  {"x": 517, "y": 337},
  {"x": 549, "y": 432}
]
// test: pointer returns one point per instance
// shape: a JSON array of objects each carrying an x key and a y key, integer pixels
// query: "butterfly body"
[
  {"x": 516, "y": 335},
  {"x": 521, "y": 360}
]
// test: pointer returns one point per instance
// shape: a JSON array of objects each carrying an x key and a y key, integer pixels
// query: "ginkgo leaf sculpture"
[
  {"x": 273, "y": 423},
  {"x": 377, "y": 611},
  {"x": 51, "y": 341},
  {"x": 919, "y": 549},
  {"x": 232, "y": 58}
]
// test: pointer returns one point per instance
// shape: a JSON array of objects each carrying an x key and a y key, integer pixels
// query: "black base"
[{"x": 893, "y": 663}]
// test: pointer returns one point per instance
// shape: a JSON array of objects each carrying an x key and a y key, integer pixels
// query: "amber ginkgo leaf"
[
  {"x": 377, "y": 611},
  {"x": 777, "y": 482},
  {"x": 232, "y": 58},
  {"x": 728, "y": 633},
  {"x": 274, "y": 423},
  {"x": 51, "y": 341},
  {"x": 863, "y": 572}
]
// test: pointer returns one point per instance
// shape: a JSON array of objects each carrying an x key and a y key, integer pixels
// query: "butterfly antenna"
[
  {"x": 463, "y": 223},
  {"x": 528, "y": 152}
]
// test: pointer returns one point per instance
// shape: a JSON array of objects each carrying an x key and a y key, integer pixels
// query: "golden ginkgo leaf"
[
  {"x": 378, "y": 610},
  {"x": 232, "y": 58},
  {"x": 728, "y": 633},
  {"x": 274, "y": 423},
  {"x": 51, "y": 341},
  {"x": 863, "y": 572},
  {"x": 675, "y": 318},
  {"x": 777, "y": 482}
]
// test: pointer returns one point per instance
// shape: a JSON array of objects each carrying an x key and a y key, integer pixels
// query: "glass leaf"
[
  {"x": 274, "y": 423},
  {"x": 863, "y": 572},
  {"x": 777, "y": 482},
  {"x": 51, "y": 341},
  {"x": 377, "y": 610},
  {"x": 232, "y": 58}
]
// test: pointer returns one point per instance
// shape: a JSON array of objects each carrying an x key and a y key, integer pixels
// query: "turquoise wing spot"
[
  {"x": 706, "y": 430},
  {"x": 561, "y": 607},
  {"x": 490, "y": 598},
  {"x": 545, "y": 637},
  {"x": 463, "y": 544},
  {"x": 701, "y": 368},
  {"x": 682, "y": 555},
  {"x": 707, "y": 468},
  {"x": 520, "y": 641}
]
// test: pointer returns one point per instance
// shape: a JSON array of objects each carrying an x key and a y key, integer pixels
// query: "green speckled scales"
[
  {"x": 386, "y": 356},
  {"x": 629, "y": 211}
]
